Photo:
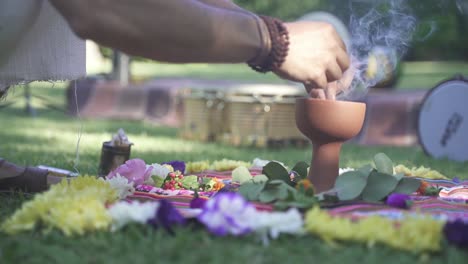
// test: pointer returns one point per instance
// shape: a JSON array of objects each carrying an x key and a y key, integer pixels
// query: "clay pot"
[{"x": 328, "y": 124}]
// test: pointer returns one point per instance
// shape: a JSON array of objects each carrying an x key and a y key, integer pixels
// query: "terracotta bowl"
[{"x": 328, "y": 124}]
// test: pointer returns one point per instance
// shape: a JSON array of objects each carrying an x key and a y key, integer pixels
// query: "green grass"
[
  {"x": 51, "y": 138},
  {"x": 414, "y": 75}
]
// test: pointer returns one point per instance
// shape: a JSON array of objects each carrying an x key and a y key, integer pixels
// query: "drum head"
[{"x": 443, "y": 121}]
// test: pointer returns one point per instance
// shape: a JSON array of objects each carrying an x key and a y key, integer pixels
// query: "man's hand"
[{"x": 317, "y": 55}]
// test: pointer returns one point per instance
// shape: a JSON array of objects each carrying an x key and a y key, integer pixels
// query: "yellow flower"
[
  {"x": 414, "y": 233},
  {"x": 196, "y": 166},
  {"x": 226, "y": 165},
  {"x": 73, "y": 207},
  {"x": 421, "y": 172}
]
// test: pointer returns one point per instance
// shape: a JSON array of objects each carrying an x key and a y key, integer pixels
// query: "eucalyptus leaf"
[
  {"x": 383, "y": 163},
  {"x": 275, "y": 171},
  {"x": 282, "y": 193},
  {"x": 275, "y": 182},
  {"x": 407, "y": 186},
  {"x": 379, "y": 185},
  {"x": 399, "y": 176},
  {"x": 268, "y": 195},
  {"x": 251, "y": 190},
  {"x": 349, "y": 185},
  {"x": 241, "y": 174},
  {"x": 301, "y": 169},
  {"x": 260, "y": 178},
  {"x": 366, "y": 169}
]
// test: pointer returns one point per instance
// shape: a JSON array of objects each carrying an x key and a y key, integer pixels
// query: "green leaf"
[
  {"x": 241, "y": 174},
  {"x": 301, "y": 169},
  {"x": 383, "y": 163},
  {"x": 282, "y": 193},
  {"x": 399, "y": 176},
  {"x": 275, "y": 183},
  {"x": 251, "y": 190},
  {"x": 190, "y": 182},
  {"x": 407, "y": 186},
  {"x": 366, "y": 169},
  {"x": 158, "y": 181},
  {"x": 268, "y": 195},
  {"x": 379, "y": 185},
  {"x": 275, "y": 171},
  {"x": 260, "y": 178},
  {"x": 350, "y": 185}
]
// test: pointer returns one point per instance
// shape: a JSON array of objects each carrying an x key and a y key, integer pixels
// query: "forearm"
[
  {"x": 172, "y": 31},
  {"x": 226, "y": 4}
]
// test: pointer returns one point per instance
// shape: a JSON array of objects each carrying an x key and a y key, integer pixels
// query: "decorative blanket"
[{"x": 451, "y": 204}]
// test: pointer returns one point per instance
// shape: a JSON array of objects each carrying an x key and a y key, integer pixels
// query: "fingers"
[
  {"x": 346, "y": 80},
  {"x": 343, "y": 60},
  {"x": 317, "y": 94},
  {"x": 333, "y": 72},
  {"x": 330, "y": 92}
]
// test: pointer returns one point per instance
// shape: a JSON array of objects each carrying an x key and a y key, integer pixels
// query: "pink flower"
[{"x": 135, "y": 170}]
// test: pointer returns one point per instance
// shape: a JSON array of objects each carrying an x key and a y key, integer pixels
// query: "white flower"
[
  {"x": 123, "y": 213},
  {"x": 275, "y": 223},
  {"x": 259, "y": 163},
  {"x": 122, "y": 185},
  {"x": 343, "y": 170},
  {"x": 160, "y": 170}
]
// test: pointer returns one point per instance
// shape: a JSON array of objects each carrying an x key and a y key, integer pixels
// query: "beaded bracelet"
[{"x": 274, "y": 47}]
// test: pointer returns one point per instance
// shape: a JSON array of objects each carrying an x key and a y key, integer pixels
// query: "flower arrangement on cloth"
[
  {"x": 166, "y": 176},
  {"x": 374, "y": 183},
  {"x": 135, "y": 170},
  {"x": 73, "y": 208},
  {"x": 229, "y": 213},
  {"x": 88, "y": 204},
  {"x": 277, "y": 185},
  {"x": 416, "y": 234}
]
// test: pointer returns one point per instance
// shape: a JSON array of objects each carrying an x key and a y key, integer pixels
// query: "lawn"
[{"x": 51, "y": 138}]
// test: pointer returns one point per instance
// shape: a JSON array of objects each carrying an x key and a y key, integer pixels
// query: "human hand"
[
  {"x": 317, "y": 55},
  {"x": 333, "y": 88}
]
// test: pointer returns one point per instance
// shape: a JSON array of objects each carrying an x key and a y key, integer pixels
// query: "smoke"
[
  {"x": 381, "y": 32},
  {"x": 462, "y": 6}
]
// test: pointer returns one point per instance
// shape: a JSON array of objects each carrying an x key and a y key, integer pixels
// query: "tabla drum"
[{"x": 443, "y": 120}]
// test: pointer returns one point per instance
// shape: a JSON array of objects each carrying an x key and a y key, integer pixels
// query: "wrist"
[
  {"x": 274, "y": 45},
  {"x": 264, "y": 48}
]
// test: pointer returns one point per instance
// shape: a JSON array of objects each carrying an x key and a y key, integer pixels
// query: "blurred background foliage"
[
  {"x": 442, "y": 32},
  {"x": 443, "y": 24}
]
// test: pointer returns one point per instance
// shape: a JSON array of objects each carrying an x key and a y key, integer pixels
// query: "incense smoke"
[{"x": 381, "y": 32}]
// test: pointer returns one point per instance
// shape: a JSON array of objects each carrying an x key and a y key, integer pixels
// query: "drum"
[{"x": 443, "y": 120}]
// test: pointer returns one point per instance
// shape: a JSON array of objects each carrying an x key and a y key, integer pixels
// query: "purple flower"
[
  {"x": 178, "y": 165},
  {"x": 197, "y": 203},
  {"x": 228, "y": 213},
  {"x": 456, "y": 233},
  {"x": 456, "y": 180},
  {"x": 399, "y": 200},
  {"x": 135, "y": 170},
  {"x": 167, "y": 216}
]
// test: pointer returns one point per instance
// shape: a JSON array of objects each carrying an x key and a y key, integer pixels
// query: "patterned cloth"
[{"x": 451, "y": 204}]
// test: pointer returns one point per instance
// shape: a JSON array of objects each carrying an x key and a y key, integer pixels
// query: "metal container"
[{"x": 112, "y": 157}]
